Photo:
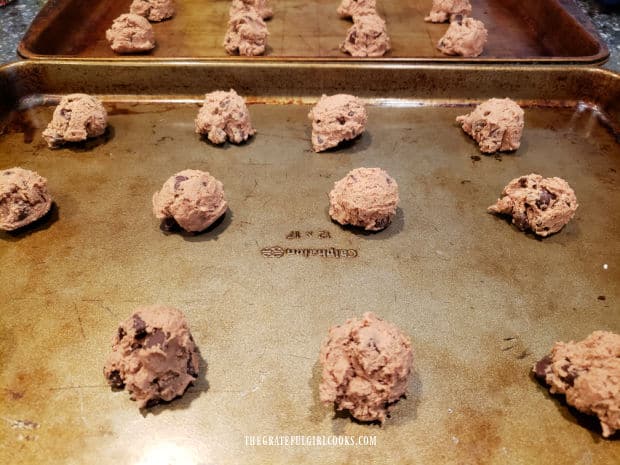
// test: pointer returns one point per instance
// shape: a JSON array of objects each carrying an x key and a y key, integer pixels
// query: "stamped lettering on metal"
[{"x": 330, "y": 252}]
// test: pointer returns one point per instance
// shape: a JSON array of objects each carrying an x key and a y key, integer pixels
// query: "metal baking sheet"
[
  {"x": 480, "y": 300},
  {"x": 523, "y": 31}
]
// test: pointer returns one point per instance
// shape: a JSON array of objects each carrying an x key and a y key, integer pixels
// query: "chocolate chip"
[
  {"x": 178, "y": 180},
  {"x": 139, "y": 326},
  {"x": 570, "y": 377},
  {"x": 121, "y": 333},
  {"x": 6, "y": 173},
  {"x": 544, "y": 199},
  {"x": 382, "y": 222},
  {"x": 520, "y": 220},
  {"x": 601, "y": 297},
  {"x": 319, "y": 139},
  {"x": 169, "y": 224},
  {"x": 523, "y": 182},
  {"x": 156, "y": 338},
  {"x": 115, "y": 380},
  {"x": 191, "y": 369},
  {"x": 458, "y": 19},
  {"x": 23, "y": 213},
  {"x": 540, "y": 369},
  {"x": 352, "y": 37},
  {"x": 341, "y": 119}
]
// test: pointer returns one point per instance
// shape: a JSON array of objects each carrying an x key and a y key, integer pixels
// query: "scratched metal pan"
[
  {"x": 480, "y": 300},
  {"x": 519, "y": 31}
]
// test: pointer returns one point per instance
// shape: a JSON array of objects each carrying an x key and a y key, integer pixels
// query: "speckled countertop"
[{"x": 15, "y": 18}]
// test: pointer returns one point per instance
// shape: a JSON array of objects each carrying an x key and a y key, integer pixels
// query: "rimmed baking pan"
[
  {"x": 480, "y": 300},
  {"x": 519, "y": 31}
]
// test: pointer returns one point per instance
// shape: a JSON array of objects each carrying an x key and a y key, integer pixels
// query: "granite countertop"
[{"x": 15, "y": 18}]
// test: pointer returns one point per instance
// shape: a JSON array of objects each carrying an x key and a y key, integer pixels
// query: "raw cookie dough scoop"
[
  {"x": 24, "y": 198},
  {"x": 366, "y": 364},
  {"x": 192, "y": 199},
  {"x": 153, "y": 355},
  {"x": 587, "y": 373}
]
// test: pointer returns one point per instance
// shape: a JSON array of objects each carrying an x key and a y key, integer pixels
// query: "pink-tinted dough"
[
  {"x": 153, "y": 10},
  {"x": 193, "y": 199},
  {"x": 367, "y": 37},
  {"x": 261, "y": 7},
  {"x": 76, "y": 118},
  {"x": 224, "y": 115},
  {"x": 497, "y": 125},
  {"x": 543, "y": 205},
  {"x": 153, "y": 355},
  {"x": 588, "y": 374},
  {"x": 443, "y": 10},
  {"x": 335, "y": 119},
  {"x": 131, "y": 33},
  {"x": 465, "y": 37},
  {"x": 366, "y": 367},
  {"x": 247, "y": 34},
  {"x": 24, "y": 198},
  {"x": 350, "y": 8},
  {"x": 365, "y": 197}
]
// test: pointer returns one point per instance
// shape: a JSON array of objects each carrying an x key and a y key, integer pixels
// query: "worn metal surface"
[
  {"x": 480, "y": 300},
  {"x": 530, "y": 30}
]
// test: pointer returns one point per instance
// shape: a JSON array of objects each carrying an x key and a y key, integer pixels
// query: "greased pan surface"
[
  {"x": 530, "y": 30},
  {"x": 480, "y": 300}
]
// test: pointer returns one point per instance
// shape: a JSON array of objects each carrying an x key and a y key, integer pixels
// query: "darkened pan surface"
[
  {"x": 480, "y": 300},
  {"x": 522, "y": 31}
]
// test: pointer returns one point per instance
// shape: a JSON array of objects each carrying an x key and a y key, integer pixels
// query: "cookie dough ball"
[
  {"x": 247, "y": 34},
  {"x": 497, "y": 125},
  {"x": 335, "y": 119},
  {"x": 543, "y": 205},
  {"x": 367, "y": 37},
  {"x": 153, "y": 355},
  {"x": 192, "y": 199},
  {"x": 131, "y": 33},
  {"x": 260, "y": 6},
  {"x": 153, "y": 10},
  {"x": 224, "y": 115},
  {"x": 443, "y": 10},
  {"x": 365, "y": 197},
  {"x": 23, "y": 198},
  {"x": 366, "y": 367},
  {"x": 465, "y": 37},
  {"x": 588, "y": 374},
  {"x": 350, "y": 8},
  {"x": 76, "y": 118}
]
